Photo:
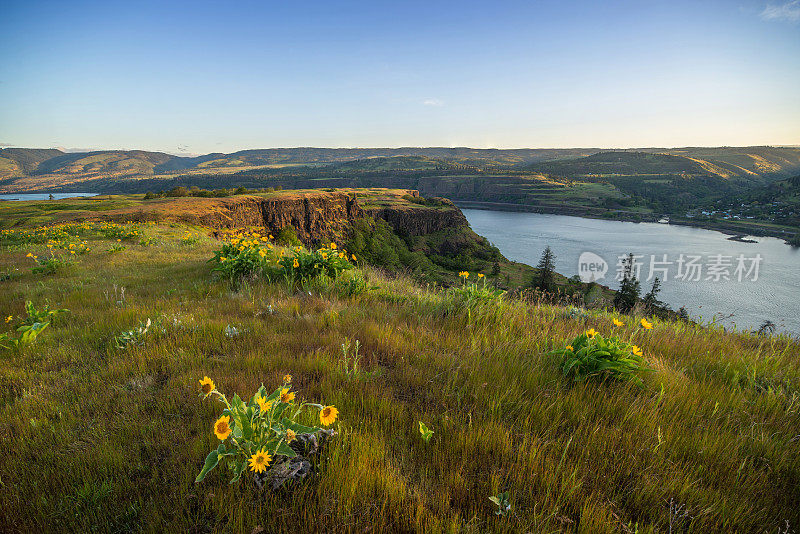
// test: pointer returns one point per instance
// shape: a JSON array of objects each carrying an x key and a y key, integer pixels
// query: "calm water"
[
  {"x": 775, "y": 295},
  {"x": 42, "y": 196}
]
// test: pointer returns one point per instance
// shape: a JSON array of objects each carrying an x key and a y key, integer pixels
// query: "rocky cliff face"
[
  {"x": 420, "y": 220},
  {"x": 315, "y": 215}
]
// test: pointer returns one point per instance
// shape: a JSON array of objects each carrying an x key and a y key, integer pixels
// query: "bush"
[
  {"x": 590, "y": 355},
  {"x": 252, "y": 254},
  {"x": 473, "y": 294},
  {"x": 288, "y": 236},
  {"x": 305, "y": 265},
  {"x": 254, "y": 433}
]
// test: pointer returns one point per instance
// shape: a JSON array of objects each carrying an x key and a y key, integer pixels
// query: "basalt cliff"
[{"x": 315, "y": 215}]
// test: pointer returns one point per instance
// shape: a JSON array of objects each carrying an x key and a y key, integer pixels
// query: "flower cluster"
[
  {"x": 253, "y": 433},
  {"x": 253, "y": 252},
  {"x": 305, "y": 264},
  {"x": 592, "y": 355}
]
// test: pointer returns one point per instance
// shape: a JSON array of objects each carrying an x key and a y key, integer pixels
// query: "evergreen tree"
[
  {"x": 651, "y": 298},
  {"x": 544, "y": 279},
  {"x": 629, "y": 288}
]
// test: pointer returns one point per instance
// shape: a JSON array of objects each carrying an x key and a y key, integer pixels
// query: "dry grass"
[{"x": 109, "y": 440}]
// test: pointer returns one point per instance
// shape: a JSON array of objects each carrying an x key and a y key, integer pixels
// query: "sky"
[{"x": 197, "y": 77}]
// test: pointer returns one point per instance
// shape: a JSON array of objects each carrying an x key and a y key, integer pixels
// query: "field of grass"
[{"x": 102, "y": 439}]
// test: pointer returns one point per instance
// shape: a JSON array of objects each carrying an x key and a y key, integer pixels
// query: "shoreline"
[{"x": 737, "y": 234}]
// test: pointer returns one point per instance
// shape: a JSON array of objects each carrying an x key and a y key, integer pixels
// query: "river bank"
[{"x": 738, "y": 229}]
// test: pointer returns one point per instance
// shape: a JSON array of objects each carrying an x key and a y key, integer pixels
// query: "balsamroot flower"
[
  {"x": 259, "y": 461},
  {"x": 636, "y": 350},
  {"x": 296, "y": 263},
  {"x": 645, "y": 324},
  {"x": 617, "y": 322},
  {"x": 263, "y": 404},
  {"x": 286, "y": 396},
  {"x": 221, "y": 428},
  {"x": 591, "y": 333},
  {"x": 287, "y": 378},
  {"x": 207, "y": 386},
  {"x": 328, "y": 415}
]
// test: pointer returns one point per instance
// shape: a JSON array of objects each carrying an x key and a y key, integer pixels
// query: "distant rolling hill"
[{"x": 653, "y": 173}]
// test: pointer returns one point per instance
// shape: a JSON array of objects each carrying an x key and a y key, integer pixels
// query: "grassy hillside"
[{"x": 108, "y": 436}]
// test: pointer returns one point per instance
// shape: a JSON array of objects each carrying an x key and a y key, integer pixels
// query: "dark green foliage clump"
[
  {"x": 287, "y": 236},
  {"x": 374, "y": 242},
  {"x": 629, "y": 289},
  {"x": 544, "y": 279}
]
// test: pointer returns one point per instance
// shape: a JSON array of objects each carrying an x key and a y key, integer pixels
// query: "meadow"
[{"x": 104, "y": 427}]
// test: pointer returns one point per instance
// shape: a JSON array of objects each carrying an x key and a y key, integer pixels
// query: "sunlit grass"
[{"x": 101, "y": 438}]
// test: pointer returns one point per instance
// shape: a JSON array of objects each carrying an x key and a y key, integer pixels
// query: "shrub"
[
  {"x": 134, "y": 336},
  {"x": 305, "y": 265},
  {"x": 254, "y": 433},
  {"x": 590, "y": 355},
  {"x": 32, "y": 325},
  {"x": 288, "y": 237},
  {"x": 473, "y": 294}
]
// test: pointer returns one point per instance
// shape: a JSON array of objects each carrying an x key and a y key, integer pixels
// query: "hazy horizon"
[{"x": 188, "y": 154}]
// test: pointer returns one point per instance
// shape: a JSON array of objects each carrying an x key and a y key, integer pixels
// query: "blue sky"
[{"x": 221, "y": 76}]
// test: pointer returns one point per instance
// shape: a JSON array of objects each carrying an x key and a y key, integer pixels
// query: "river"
[
  {"x": 42, "y": 196},
  {"x": 755, "y": 289}
]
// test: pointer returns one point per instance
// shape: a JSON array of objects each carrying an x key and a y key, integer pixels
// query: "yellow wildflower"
[
  {"x": 636, "y": 350},
  {"x": 9, "y": 318},
  {"x": 221, "y": 428},
  {"x": 324, "y": 256},
  {"x": 207, "y": 386},
  {"x": 617, "y": 322},
  {"x": 290, "y": 435},
  {"x": 591, "y": 333},
  {"x": 296, "y": 263},
  {"x": 569, "y": 348},
  {"x": 286, "y": 395},
  {"x": 354, "y": 257},
  {"x": 259, "y": 461},
  {"x": 287, "y": 378},
  {"x": 263, "y": 404},
  {"x": 645, "y": 324},
  {"x": 328, "y": 415},
  {"x": 333, "y": 246}
]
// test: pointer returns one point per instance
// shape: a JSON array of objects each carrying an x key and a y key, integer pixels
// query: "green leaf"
[
  {"x": 285, "y": 450},
  {"x": 211, "y": 462},
  {"x": 425, "y": 431},
  {"x": 238, "y": 469},
  {"x": 297, "y": 427}
]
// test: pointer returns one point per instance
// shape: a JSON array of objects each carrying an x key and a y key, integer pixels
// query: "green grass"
[{"x": 101, "y": 439}]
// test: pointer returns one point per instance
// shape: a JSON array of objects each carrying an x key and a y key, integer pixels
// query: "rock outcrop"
[
  {"x": 420, "y": 220},
  {"x": 314, "y": 214}
]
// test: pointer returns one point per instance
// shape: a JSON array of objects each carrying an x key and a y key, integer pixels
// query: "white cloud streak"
[{"x": 788, "y": 11}]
